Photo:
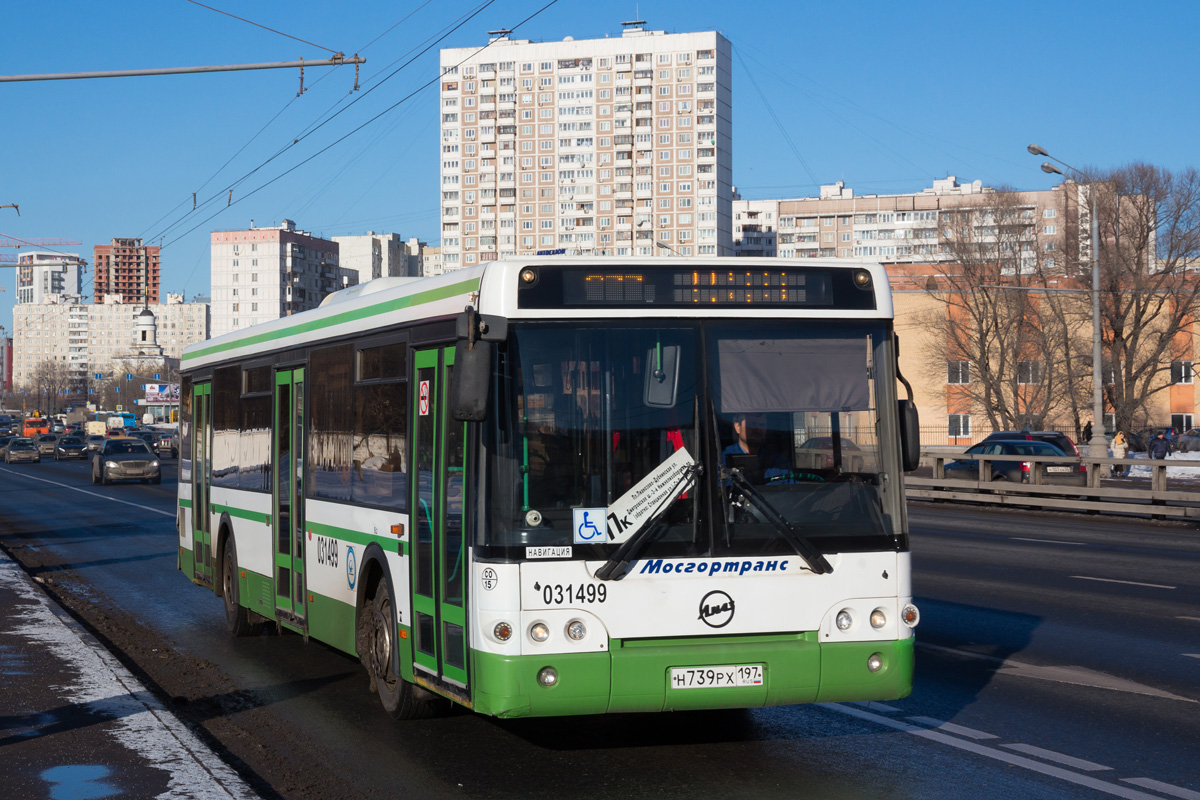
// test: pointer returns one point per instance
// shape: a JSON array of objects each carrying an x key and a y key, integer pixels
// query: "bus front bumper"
[{"x": 635, "y": 676}]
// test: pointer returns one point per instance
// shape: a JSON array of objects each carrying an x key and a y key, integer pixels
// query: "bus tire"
[
  {"x": 237, "y": 620},
  {"x": 400, "y": 699}
]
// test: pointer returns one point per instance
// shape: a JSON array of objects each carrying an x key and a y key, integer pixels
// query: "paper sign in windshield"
[{"x": 632, "y": 510}]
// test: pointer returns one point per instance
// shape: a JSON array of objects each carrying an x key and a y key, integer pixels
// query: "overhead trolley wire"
[
  {"x": 264, "y": 27},
  {"x": 315, "y": 126},
  {"x": 252, "y": 139},
  {"x": 355, "y": 130}
]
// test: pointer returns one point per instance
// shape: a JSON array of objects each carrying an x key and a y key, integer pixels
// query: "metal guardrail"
[{"x": 1156, "y": 501}]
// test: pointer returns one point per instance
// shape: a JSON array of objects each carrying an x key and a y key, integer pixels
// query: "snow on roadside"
[{"x": 1191, "y": 471}]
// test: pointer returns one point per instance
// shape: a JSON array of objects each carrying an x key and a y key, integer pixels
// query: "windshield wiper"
[
  {"x": 631, "y": 548},
  {"x": 816, "y": 562}
]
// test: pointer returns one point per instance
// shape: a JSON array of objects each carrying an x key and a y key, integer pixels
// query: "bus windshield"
[{"x": 766, "y": 424}]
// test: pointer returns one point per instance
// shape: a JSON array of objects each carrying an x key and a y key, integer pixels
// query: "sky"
[{"x": 884, "y": 96}]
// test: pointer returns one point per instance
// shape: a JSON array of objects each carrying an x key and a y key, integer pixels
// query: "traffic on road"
[{"x": 1022, "y": 679}]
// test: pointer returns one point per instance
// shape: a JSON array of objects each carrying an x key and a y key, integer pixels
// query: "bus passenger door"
[
  {"x": 202, "y": 559},
  {"x": 439, "y": 556},
  {"x": 287, "y": 473}
]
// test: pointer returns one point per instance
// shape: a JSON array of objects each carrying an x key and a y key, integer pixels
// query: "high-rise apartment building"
[
  {"x": 41, "y": 275},
  {"x": 617, "y": 146},
  {"x": 373, "y": 255},
  {"x": 88, "y": 338},
  {"x": 907, "y": 228},
  {"x": 261, "y": 274},
  {"x": 127, "y": 269}
]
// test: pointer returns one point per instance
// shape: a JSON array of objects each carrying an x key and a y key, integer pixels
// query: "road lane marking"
[
  {"x": 876, "y": 706},
  {"x": 1192, "y": 655},
  {"x": 1127, "y": 583},
  {"x": 170, "y": 514},
  {"x": 1165, "y": 788},
  {"x": 950, "y": 727},
  {"x": 1045, "y": 541},
  {"x": 1076, "y": 676},
  {"x": 999, "y": 755},
  {"x": 1190, "y": 619},
  {"x": 1050, "y": 755}
]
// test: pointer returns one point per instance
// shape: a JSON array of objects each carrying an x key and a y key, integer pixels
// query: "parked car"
[
  {"x": 22, "y": 449},
  {"x": 1056, "y": 438},
  {"x": 95, "y": 442},
  {"x": 1017, "y": 471},
  {"x": 1189, "y": 442},
  {"x": 46, "y": 443},
  {"x": 70, "y": 447},
  {"x": 125, "y": 459}
]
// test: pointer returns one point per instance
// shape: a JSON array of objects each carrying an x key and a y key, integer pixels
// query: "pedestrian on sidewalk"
[
  {"x": 1087, "y": 431},
  {"x": 1120, "y": 449},
  {"x": 1158, "y": 447}
]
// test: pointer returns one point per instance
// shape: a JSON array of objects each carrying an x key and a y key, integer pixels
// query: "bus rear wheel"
[
  {"x": 237, "y": 619},
  {"x": 400, "y": 699}
]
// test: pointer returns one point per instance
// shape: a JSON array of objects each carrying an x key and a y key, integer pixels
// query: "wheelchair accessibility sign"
[{"x": 588, "y": 524}]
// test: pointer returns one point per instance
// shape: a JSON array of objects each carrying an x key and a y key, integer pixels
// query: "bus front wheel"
[{"x": 400, "y": 699}]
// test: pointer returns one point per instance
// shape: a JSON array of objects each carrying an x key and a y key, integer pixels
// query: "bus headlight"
[
  {"x": 844, "y": 620},
  {"x": 576, "y": 630},
  {"x": 547, "y": 676},
  {"x": 874, "y": 662},
  {"x": 502, "y": 631},
  {"x": 910, "y": 616},
  {"x": 878, "y": 619},
  {"x": 539, "y": 632}
]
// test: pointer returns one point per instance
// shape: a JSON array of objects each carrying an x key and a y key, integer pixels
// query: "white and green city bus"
[{"x": 568, "y": 485}]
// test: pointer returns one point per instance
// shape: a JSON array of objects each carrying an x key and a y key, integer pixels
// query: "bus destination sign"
[{"x": 790, "y": 287}]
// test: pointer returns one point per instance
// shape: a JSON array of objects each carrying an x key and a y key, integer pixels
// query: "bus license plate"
[{"x": 716, "y": 677}]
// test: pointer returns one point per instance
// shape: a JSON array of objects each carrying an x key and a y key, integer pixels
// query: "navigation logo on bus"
[
  {"x": 588, "y": 524},
  {"x": 351, "y": 567}
]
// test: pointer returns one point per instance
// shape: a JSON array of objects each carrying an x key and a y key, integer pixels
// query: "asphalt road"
[{"x": 1058, "y": 657}]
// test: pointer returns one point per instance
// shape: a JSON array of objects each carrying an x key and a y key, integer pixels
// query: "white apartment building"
[
  {"x": 430, "y": 262},
  {"x": 895, "y": 228},
  {"x": 617, "y": 146},
  {"x": 264, "y": 273},
  {"x": 374, "y": 255},
  {"x": 41, "y": 275},
  {"x": 88, "y": 338}
]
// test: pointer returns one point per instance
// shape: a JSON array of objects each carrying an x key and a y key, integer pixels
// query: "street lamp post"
[{"x": 1098, "y": 445}]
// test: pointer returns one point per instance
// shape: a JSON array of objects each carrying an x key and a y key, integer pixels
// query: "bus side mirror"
[
  {"x": 910, "y": 436},
  {"x": 472, "y": 378}
]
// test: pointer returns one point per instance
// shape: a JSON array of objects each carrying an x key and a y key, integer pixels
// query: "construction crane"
[{"x": 14, "y": 241}]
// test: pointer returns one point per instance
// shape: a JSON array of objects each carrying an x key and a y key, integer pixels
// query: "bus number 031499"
[{"x": 556, "y": 594}]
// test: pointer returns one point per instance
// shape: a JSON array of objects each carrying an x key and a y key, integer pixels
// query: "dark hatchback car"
[
  {"x": 1056, "y": 438},
  {"x": 125, "y": 460},
  {"x": 967, "y": 469},
  {"x": 22, "y": 450},
  {"x": 5, "y": 441},
  {"x": 70, "y": 447}
]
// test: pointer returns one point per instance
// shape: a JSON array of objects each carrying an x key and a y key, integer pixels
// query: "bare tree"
[
  {"x": 51, "y": 380},
  {"x": 990, "y": 319},
  {"x": 1149, "y": 286}
]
